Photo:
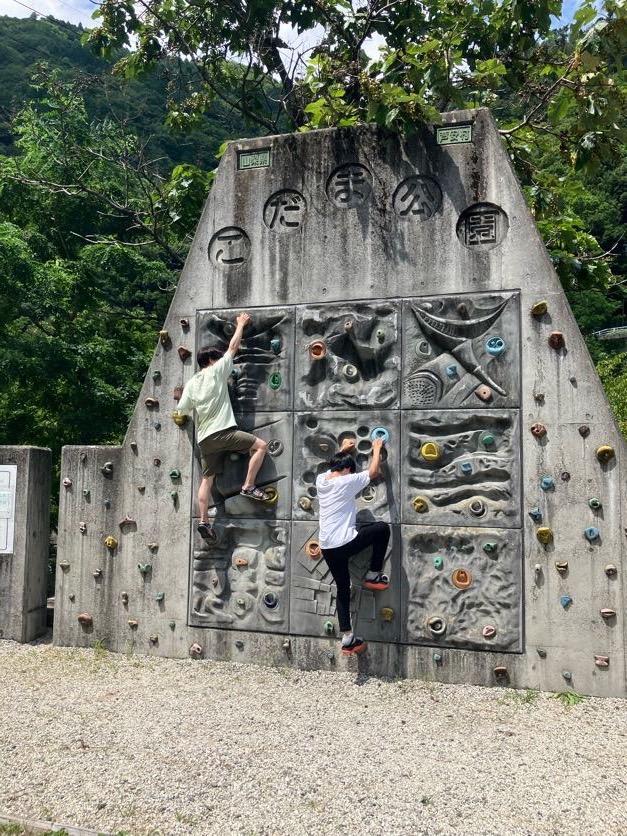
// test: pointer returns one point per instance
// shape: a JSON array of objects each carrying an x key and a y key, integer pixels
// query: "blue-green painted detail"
[
  {"x": 259, "y": 158},
  {"x": 454, "y": 134}
]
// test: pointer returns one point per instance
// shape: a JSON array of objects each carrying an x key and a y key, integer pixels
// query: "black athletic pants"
[{"x": 376, "y": 535}]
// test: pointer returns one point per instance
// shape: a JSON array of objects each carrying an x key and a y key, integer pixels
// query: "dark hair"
[
  {"x": 208, "y": 355},
  {"x": 341, "y": 462}
]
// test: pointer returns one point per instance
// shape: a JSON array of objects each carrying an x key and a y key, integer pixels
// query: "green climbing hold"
[
  {"x": 275, "y": 380},
  {"x": 487, "y": 439},
  {"x": 160, "y": 596},
  {"x": 329, "y": 628},
  {"x": 438, "y": 562},
  {"x": 489, "y": 548},
  {"x": 175, "y": 474}
]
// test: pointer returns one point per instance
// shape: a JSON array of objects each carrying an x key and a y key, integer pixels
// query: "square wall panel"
[
  {"x": 317, "y": 437},
  {"x": 375, "y": 616},
  {"x": 348, "y": 356},
  {"x": 276, "y": 429},
  {"x": 263, "y": 373},
  {"x": 461, "y": 351},
  {"x": 239, "y": 579},
  {"x": 461, "y": 467},
  {"x": 463, "y": 587}
]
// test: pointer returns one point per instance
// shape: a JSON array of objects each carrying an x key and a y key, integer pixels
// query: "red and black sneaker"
[
  {"x": 377, "y": 583},
  {"x": 354, "y": 647}
]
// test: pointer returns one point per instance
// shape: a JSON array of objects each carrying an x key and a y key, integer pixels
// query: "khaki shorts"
[{"x": 213, "y": 448}]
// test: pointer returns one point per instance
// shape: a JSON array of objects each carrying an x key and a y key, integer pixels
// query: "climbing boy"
[
  {"x": 207, "y": 395},
  {"x": 339, "y": 538}
]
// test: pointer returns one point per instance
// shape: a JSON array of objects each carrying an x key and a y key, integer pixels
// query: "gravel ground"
[{"x": 142, "y": 745}]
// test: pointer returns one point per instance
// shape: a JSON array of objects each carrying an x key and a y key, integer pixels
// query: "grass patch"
[
  {"x": 569, "y": 698},
  {"x": 528, "y": 697}
]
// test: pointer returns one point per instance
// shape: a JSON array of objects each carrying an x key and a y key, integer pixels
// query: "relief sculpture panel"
[
  {"x": 348, "y": 356},
  {"x": 240, "y": 578},
  {"x": 461, "y": 351}
]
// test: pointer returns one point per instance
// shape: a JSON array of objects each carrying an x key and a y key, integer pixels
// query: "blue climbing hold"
[
  {"x": 566, "y": 601},
  {"x": 495, "y": 346},
  {"x": 275, "y": 345},
  {"x": 437, "y": 658},
  {"x": 380, "y": 434},
  {"x": 451, "y": 371},
  {"x": 592, "y": 533},
  {"x": 466, "y": 468},
  {"x": 536, "y": 515},
  {"x": 547, "y": 483}
]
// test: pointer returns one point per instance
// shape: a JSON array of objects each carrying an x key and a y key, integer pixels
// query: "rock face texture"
[{"x": 398, "y": 289}]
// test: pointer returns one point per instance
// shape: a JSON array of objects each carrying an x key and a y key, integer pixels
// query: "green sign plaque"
[
  {"x": 259, "y": 158},
  {"x": 454, "y": 134}
]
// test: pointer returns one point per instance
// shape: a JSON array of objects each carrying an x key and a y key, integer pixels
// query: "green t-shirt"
[{"x": 207, "y": 394}]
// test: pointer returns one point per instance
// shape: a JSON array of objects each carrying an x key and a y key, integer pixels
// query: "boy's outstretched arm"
[
  {"x": 242, "y": 321},
  {"x": 375, "y": 465}
]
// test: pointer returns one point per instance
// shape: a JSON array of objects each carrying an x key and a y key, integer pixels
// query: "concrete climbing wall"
[{"x": 398, "y": 287}]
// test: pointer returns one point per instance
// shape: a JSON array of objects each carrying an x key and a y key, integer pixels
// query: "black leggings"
[{"x": 376, "y": 535}]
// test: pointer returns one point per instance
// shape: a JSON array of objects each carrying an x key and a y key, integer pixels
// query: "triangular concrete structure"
[{"x": 395, "y": 285}]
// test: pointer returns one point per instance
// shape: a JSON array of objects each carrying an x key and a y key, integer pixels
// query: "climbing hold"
[
  {"x": 317, "y": 349},
  {"x": 151, "y": 403},
  {"x": 420, "y": 504},
  {"x": 489, "y": 631},
  {"x": 133, "y": 623},
  {"x": 466, "y": 468},
  {"x": 544, "y": 535},
  {"x": 156, "y": 461},
  {"x": 159, "y": 597},
  {"x": 541, "y": 652},
  {"x": 195, "y": 651},
  {"x": 451, "y": 371},
  {"x": 380, "y": 434},
  {"x": 567, "y": 676},
  {"x": 97, "y": 573},
  {"x": 82, "y": 527},
  {"x": 85, "y": 619},
  {"x": 106, "y": 503},
  {"x": 64, "y": 565},
  {"x": 275, "y": 345},
  {"x": 67, "y": 482},
  {"x": 539, "y": 308},
  {"x": 537, "y": 570},
  {"x": 141, "y": 488},
  {"x": 156, "y": 376},
  {"x": 144, "y": 568},
  {"x": 271, "y": 600},
  {"x": 538, "y": 430},
  {"x": 240, "y": 562},
  {"x": 177, "y": 393},
  {"x": 484, "y": 393},
  {"x": 477, "y": 508},
  {"x": 605, "y": 453},
  {"x": 437, "y": 658},
  {"x": 602, "y": 661},
  {"x": 539, "y": 397},
  {"x": 172, "y": 625},
  {"x": 535, "y": 514},
  {"x": 561, "y": 566},
  {"x": 275, "y": 447},
  {"x": 329, "y": 628},
  {"x": 184, "y": 323},
  {"x": 500, "y": 672},
  {"x": 305, "y": 503},
  {"x": 274, "y": 381},
  {"x": 124, "y": 598},
  {"x": 164, "y": 338},
  {"x": 436, "y": 625},
  {"x": 272, "y": 496},
  {"x": 72, "y": 597},
  {"x": 547, "y": 483},
  {"x": 431, "y": 451},
  {"x": 387, "y": 614},
  {"x": 592, "y": 533},
  {"x": 594, "y": 503},
  {"x": 235, "y": 373},
  {"x": 175, "y": 473},
  {"x": 153, "y": 547},
  {"x": 174, "y": 495},
  {"x": 179, "y": 419},
  {"x": 438, "y": 562},
  {"x": 184, "y": 353},
  {"x": 566, "y": 601},
  {"x": 610, "y": 570},
  {"x": 461, "y": 578},
  {"x": 110, "y": 542},
  {"x": 127, "y": 522},
  {"x": 348, "y": 325},
  {"x": 495, "y": 346},
  {"x": 350, "y": 372},
  {"x": 607, "y": 613},
  {"x": 154, "y": 639},
  {"x": 584, "y": 431},
  {"x": 87, "y": 494},
  {"x": 83, "y": 458},
  {"x": 380, "y": 335},
  {"x": 556, "y": 340},
  {"x": 157, "y": 425},
  {"x": 312, "y": 549},
  {"x": 487, "y": 439},
  {"x": 490, "y": 548},
  {"x": 565, "y": 476}
]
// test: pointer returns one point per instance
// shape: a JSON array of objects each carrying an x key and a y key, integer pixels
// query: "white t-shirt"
[
  {"x": 338, "y": 511},
  {"x": 207, "y": 394}
]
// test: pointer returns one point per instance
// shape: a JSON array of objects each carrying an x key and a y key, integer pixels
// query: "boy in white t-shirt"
[{"x": 339, "y": 537}]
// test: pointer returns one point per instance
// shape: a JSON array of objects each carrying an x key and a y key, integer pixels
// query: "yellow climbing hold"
[
  {"x": 605, "y": 453},
  {"x": 420, "y": 504},
  {"x": 387, "y": 614},
  {"x": 544, "y": 535},
  {"x": 179, "y": 419},
  {"x": 431, "y": 451}
]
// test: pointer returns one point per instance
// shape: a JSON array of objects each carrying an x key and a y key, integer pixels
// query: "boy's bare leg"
[
  {"x": 257, "y": 455},
  {"x": 205, "y": 497}
]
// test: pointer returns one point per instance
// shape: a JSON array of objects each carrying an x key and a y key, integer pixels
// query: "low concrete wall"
[{"x": 24, "y": 540}]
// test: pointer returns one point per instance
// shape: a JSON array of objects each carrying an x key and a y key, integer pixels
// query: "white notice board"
[{"x": 8, "y": 477}]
